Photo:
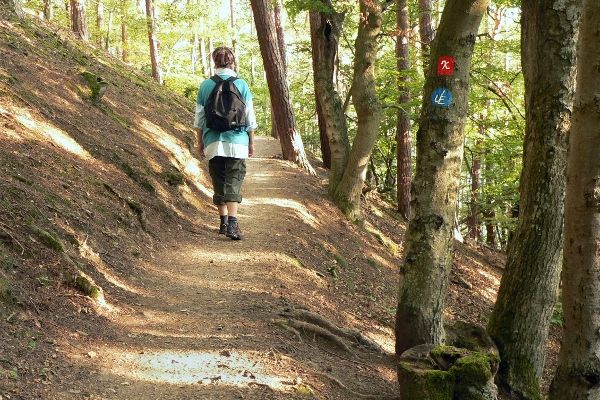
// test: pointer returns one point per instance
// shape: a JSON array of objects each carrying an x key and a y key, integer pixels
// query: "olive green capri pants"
[{"x": 227, "y": 175}]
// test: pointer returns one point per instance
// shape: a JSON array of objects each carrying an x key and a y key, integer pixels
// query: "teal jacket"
[{"x": 237, "y": 136}]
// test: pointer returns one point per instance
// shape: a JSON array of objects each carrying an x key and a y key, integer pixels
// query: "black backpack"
[{"x": 225, "y": 109}]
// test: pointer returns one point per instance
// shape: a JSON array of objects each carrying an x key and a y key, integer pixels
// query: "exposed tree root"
[
  {"x": 316, "y": 319},
  {"x": 319, "y": 331},
  {"x": 283, "y": 324},
  {"x": 379, "y": 396}
]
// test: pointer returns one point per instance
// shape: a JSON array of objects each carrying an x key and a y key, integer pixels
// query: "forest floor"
[{"x": 112, "y": 192}]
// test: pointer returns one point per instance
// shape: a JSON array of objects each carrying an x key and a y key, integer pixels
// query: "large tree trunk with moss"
[
  {"x": 403, "y": 145},
  {"x": 153, "y": 42},
  {"x": 78, "y": 21},
  {"x": 368, "y": 109},
  {"x": 325, "y": 30},
  {"x": 521, "y": 317},
  {"x": 428, "y": 255},
  {"x": 578, "y": 373},
  {"x": 283, "y": 114}
]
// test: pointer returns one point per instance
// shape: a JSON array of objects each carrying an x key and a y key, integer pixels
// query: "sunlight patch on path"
[
  {"x": 193, "y": 367},
  {"x": 285, "y": 203}
]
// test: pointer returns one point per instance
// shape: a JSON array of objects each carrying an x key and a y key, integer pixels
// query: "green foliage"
[{"x": 558, "y": 316}]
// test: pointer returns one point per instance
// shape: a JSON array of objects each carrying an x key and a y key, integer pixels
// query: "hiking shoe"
[
  {"x": 234, "y": 232},
  {"x": 223, "y": 229}
]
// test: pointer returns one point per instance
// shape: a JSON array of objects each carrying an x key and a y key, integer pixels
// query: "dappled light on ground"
[
  {"x": 94, "y": 258},
  {"x": 38, "y": 130},
  {"x": 180, "y": 157},
  {"x": 195, "y": 367},
  {"x": 299, "y": 208}
]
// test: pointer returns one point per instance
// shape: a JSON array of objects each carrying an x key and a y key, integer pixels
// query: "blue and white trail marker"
[{"x": 441, "y": 97}]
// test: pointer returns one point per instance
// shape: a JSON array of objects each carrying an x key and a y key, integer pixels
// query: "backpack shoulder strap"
[
  {"x": 232, "y": 79},
  {"x": 216, "y": 78}
]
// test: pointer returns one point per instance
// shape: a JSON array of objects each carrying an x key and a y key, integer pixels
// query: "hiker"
[{"x": 225, "y": 129}]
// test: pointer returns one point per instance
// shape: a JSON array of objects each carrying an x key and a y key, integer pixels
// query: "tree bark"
[
  {"x": 78, "y": 21},
  {"x": 578, "y": 372},
  {"x": 323, "y": 139},
  {"x": 14, "y": 6},
  {"x": 426, "y": 30},
  {"x": 368, "y": 109},
  {"x": 124, "y": 41},
  {"x": 283, "y": 113},
  {"x": 153, "y": 42},
  {"x": 490, "y": 227},
  {"x": 281, "y": 46},
  {"x": 108, "y": 30},
  {"x": 279, "y": 28},
  {"x": 48, "y": 10},
  {"x": 99, "y": 21},
  {"x": 473, "y": 221},
  {"x": 325, "y": 30},
  {"x": 211, "y": 65},
  {"x": 233, "y": 30},
  {"x": 203, "y": 57},
  {"x": 403, "y": 143},
  {"x": 124, "y": 33},
  {"x": 527, "y": 295},
  {"x": 428, "y": 253}
]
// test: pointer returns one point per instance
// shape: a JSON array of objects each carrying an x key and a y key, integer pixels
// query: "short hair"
[{"x": 223, "y": 57}]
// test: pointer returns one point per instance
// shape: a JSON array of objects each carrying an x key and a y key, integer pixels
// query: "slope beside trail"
[{"x": 200, "y": 322}]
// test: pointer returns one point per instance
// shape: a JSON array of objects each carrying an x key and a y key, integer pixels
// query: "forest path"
[{"x": 198, "y": 323}]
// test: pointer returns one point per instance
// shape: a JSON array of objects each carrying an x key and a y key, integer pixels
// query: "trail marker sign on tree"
[
  {"x": 445, "y": 65},
  {"x": 441, "y": 97}
]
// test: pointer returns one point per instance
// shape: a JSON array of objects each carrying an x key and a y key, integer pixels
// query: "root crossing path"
[{"x": 205, "y": 317}]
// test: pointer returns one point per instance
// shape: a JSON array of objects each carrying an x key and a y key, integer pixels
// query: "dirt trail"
[{"x": 198, "y": 323}]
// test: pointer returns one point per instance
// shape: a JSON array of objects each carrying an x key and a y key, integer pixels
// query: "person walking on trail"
[{"x": 225, "y": 123}]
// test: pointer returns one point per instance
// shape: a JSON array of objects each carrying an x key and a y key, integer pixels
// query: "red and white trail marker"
[{"x": 445, "y": 65}]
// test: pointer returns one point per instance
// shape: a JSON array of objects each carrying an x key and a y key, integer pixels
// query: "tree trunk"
[
  {"x": 252, "y": 61},
  {"x": 490, "y": 227},
  {"x": 48, "y": 10},
  {"x": 426, "y": 30},
  {"x": 124, "y": 33},
  {"x": 368, "y": 109},
  {"x": 194, "y": 54},
  {"x": 124, "y": 40},
  {"x": 153, "y": 42},
  {"x": 78, "y": 22},
  {"x": 325, "y": 29},
  {"x": 403, "y": 144},
  {"x": 283, "y": 114},
  {"x": 203, "y": 57},
  {"x": 521, "y": 317},
  {"x": 211, "y": 65},
  {"x": 578, "y": 372},
  {"x": 281, "y": 45},
  {"x": 14, "y": 6},
  {"x": 428, "y": 253},
  {"x": 473, "y": 220},
  {"x": 323, "y": 139},
  {"x": 279, "y": 28},
  {"x": 233, "y": 30},
  {"x": 99, "y": 21},
  {"x": 108, "y": 30}
]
